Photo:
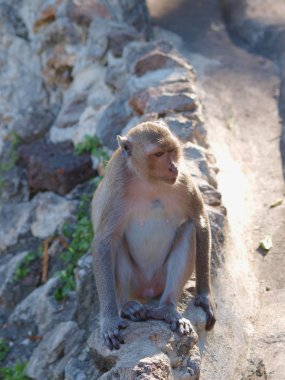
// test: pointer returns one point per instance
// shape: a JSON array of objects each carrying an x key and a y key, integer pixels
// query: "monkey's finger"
[
  {"x": 211, "y": 320},
  {"x": 116, "y": 339},
  {"x": 108, "y": 342},
  {"x": 188, "y": 328},
  {"x": 123, "y": 324}
]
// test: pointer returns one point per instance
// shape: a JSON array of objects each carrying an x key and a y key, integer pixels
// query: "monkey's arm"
[
  {"x": 110, "y": 321},
  {"x": 203, "y": 254}
]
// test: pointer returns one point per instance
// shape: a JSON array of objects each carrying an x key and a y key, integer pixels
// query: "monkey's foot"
[
  {"x": 204, "y": 301},
  {"x": 169, "y": 314},
  {"x": 110, "y": 331},
  {"x": 134, "y": 310}
]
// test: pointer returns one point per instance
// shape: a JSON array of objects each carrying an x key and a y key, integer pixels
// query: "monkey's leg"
[
  {"x": 133, "y": 310},
  {"x": 179, "y": 267}
]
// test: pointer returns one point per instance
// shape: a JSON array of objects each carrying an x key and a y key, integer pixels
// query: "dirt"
[{"x": 240, "y": 92}]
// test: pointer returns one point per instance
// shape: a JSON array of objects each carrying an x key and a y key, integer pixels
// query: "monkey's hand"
[
  {"x": 169, "y": 314},
  {"x": 205, "y": 302},
  {"x": 110, "y": 331}
]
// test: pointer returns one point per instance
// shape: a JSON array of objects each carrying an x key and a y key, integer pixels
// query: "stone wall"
[{"x": 71, "y": 69}]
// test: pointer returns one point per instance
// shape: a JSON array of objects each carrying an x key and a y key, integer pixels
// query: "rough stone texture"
[
  {"x": 41, "y": 310},
  {"x": 164, "y": 99},
  {"x": 80, "y": 370},
  {"x": 9, "y": 295},
  {"x": 54, "y": 351},
  {"x": 113, "y": 121},
  {"x": 151, "y": 350},
  {"x": 54, "y": 167},
  {"x": 71, "y": 110},
  {"x": 33, "y": 123},
  {"x": 155, "y": 60},
  {"x": 86, "y": 60},
  {"x": 51, "y": 211},
  {"x": 15, "y": 220},
  {"x": 15, "y": 186},
  {"x": 119, "y": 37},
  {"x": 86, "y": 292}
]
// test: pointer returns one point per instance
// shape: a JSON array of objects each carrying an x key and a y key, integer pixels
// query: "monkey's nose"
[{"x": 173, "y": 169}]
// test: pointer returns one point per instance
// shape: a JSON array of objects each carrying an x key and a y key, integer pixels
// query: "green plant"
[
  {"x": 4, "y": 349},
  {"x": 23, "y": 268},
  {"x": 80, "y": 237},
  {"x": 15, "y": 372},
  {"x": 92, "y": 145}
]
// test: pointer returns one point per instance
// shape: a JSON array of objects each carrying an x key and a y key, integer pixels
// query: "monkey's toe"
[
  {"x": 111, "y": 332},
  {"x": 181, "y": 326},
  {"x": 113, "y": 339},
  {"x": 134, "y": 310},
  {"x": 206, "y": 304}
]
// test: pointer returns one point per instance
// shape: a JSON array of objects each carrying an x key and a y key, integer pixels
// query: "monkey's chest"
[{"x": 150, "y": 234}]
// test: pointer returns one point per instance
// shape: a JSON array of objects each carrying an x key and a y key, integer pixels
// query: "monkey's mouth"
[{"x": 171, "y": 180}]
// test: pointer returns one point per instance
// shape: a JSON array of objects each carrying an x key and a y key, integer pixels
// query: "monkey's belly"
[{"x": 150, "y": 242}]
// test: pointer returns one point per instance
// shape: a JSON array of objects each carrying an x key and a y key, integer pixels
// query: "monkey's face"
[
  {"x": 152, "y": 151},
  {"x": 162, "y": 164}
]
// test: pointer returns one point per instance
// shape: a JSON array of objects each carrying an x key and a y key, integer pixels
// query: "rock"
[
  {"x": 113, "y": 120},
  {"x": 54, "y": 167},
  {"x": 116, "y": 76},
  {"x": 10, "y": 294},
  {"x": 151, "y": 350},
  {"x": 33, "y": 123},
  {"x": 27, "y": 79},
  {"x": 119, "y": 37},
  {"x": 164, "y": 99},
  {"x": 130, "y": 12},
  {"x": 71, "y": 110},
  {"x": 40, "y": 310},
  {"x": 97, "y": 42},
  {"x": 80, "y": 370},
  {"x": 139, "y": 119},
  {"x": 89, "y": 79},
  {"x": 51, "y": 211},
  {"x": 15, "y": 186},
  {"x": 198, "y": 155},
  {"x": 52, "y": 354},
  {"x": 181, "y": 126},
  {"x": 155, "y": 60},
  {"x": 11, "y": 22},
  {"x": 158, "y": 78},
  {"x": 86, "y": 126},
  {"x": 15, "y": 221},
  {"x": 58, "y": 67},
  {"x": 134, "y": 51},
  {"x": 86, "y": 292},
  {"x": 212, "y": 197},
  {"x": 83, "y": 13}
]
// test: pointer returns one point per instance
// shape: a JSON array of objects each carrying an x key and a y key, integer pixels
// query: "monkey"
[{"x": 150, "y": 230}]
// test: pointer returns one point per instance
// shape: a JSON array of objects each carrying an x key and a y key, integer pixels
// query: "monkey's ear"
[{"x": 125, "y": 145}]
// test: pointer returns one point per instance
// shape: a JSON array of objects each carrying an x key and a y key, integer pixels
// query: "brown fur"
[{"x": 149, "y": 222}]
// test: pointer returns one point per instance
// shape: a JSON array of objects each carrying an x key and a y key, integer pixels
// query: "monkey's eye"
[{"x": 159, "y": 154}]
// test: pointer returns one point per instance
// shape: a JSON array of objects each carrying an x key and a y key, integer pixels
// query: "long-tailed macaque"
[{"x": 150, "y": 228}]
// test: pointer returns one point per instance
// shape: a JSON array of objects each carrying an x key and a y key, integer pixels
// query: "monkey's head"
[{"x": 152, "y": 151}]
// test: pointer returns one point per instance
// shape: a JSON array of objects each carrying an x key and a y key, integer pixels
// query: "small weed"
[
  {"x": 23, "y": 268},
  {"x": 80, "y": 237},
  {"x": 4, "y": 349},
  {"x": 15, "y": 372},
  {"x": 92, "y": 145}
]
